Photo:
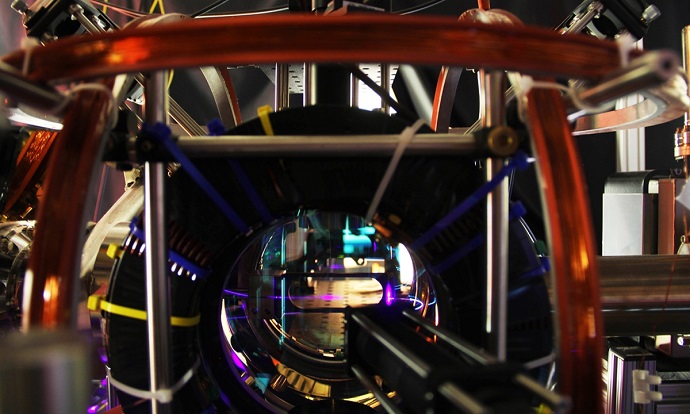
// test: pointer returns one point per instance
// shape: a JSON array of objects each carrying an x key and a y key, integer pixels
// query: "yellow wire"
[
  {"x": 171, "y": 75},
  {"x": 161, "y": 7},
  {"x": 105, "y": 8}
]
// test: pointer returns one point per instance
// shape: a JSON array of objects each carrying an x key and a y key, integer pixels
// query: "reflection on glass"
[{"x": 285, "y": 299}]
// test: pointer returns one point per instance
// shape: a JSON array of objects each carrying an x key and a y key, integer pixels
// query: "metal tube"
[
  {"x": 282, "y": 86},
  {"x": 492, "y": 113},
  {"x": 579, "y": 22},
  {"x": 386, "y": 85},
  {"x": 402, "y": 353},
  {"x": 334, "y": 145},
  {"x": 650, "y": 70},
  {"x": 309, "y": 97},
  {"x": 383, "y": 399},
  {"x": 156, "y": 254},
  {"x": 465, "y": 348},
  {"x": 461, "y": 399},
  {"x": 21, "y": 90}
]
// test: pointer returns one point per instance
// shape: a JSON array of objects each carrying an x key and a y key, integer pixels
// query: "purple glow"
[
  {"x": 93, "y": 409},
  {"x": 331, "y": 297},
  {"x": 236, "y": 360},
  {"x": 388, "y": 296}
]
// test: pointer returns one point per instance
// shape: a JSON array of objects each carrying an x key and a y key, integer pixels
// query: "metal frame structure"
[{"x": 393, "y": 39}]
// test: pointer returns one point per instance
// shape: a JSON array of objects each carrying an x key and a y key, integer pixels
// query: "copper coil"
[
  {"x": 390, "y": 39},
  {"x": 576, "y": 277}
]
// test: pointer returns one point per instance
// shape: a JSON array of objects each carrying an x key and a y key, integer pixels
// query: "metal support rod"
[
  {"x": 580, "y": 22},
  {"x": 354, "y": 91},
  {"x": 158, "y": 300},
  {"x": 386, "y": 85},
  {"x": 461, "y": 399},
  {"x": 282, "y": 86},
  {"x": 309, "y": 97},
  {"x": 382, "y": 398},
  {"x": 492, "y": 113},
  {"x": 334, "y": 145}
]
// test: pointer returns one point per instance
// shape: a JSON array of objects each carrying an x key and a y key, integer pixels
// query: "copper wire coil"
[
  {"x": 421, "y": 40},
  {"x": 390, "y": 38}
]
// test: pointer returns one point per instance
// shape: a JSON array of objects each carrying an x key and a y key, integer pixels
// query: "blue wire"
[
  {"x": 158, "y": 133},
  {"x": 519, "y": 160},
  {"x": 517, "y": 210},
  {"x": 174, "y": 256},
  {"x": 253, "y": 195}
]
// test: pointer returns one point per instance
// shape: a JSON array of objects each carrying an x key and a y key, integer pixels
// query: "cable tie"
[
  {"x": 626, "y": 43},
  {"x": 215, "y": 127},
  {"x": 264, "y": 116},
  {"x": 97, "y": 303},
  {"x": 164, "y": 395},
  {"x": 404, "y": 139}
]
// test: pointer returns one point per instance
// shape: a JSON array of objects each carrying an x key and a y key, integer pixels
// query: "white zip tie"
[
  {"x": 626, "y": 43},
  {"x": 162, "y": 395},
  {"x": 405, "y": 138},
  {"x": 527, "y": 83}
]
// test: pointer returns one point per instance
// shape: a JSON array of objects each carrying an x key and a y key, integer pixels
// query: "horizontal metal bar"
[
  {"x": 382, "y": 398},
  {"x": 333, "y": 145}
]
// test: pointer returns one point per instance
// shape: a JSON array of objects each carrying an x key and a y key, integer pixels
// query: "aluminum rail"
[{"x": 334, "y": 145}]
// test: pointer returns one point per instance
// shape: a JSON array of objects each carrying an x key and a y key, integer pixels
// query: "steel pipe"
[
  {"x": 325, "y": 145},
  {"x": 492, "y": 114},
  {"x": 158, "y": 302}
]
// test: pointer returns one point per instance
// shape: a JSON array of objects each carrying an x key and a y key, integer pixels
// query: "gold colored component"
[{"x": 502, "y": 141}]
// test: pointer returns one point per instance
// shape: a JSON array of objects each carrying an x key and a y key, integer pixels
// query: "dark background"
[{"x": 598, "y": 152}]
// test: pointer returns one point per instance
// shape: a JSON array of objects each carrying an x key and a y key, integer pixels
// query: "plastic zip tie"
[
  {"x": 516, "y": 211},
  {"x": 264, "y": 116},
  {"x": 405, "y": 138},
  {"x": 251, "y": 192},
  {"x": 172, "y": 255},
  {"x": 164, "y": 395},
  {"x": 519, "y": 160},
  {"x": 163, "y": 136},
  {"x": 97, "y": 303}
]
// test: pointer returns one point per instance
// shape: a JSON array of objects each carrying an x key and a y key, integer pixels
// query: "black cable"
[
  {"x": 208, "y": 8},
  {"x": 421, "y": 7},
  {"x": 385, "y": 96}
]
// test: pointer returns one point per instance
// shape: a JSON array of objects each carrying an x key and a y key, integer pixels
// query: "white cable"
[
  {"x": 527, "y": 83},
  {"x": 162, "y": 395},
  {"x": 405, "y": 138},
  {"x": 626, "y": 43}
]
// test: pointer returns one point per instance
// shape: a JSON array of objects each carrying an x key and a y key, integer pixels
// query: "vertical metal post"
[
  {"x": 156, "y": 254},
  {"x": 386, "y": 85},
  {"x": 354, "y": 91},
  {"x": 492, "y": 113},
  {"x": 309, "y": 97},
  {"x": 282, "y": 84}
]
